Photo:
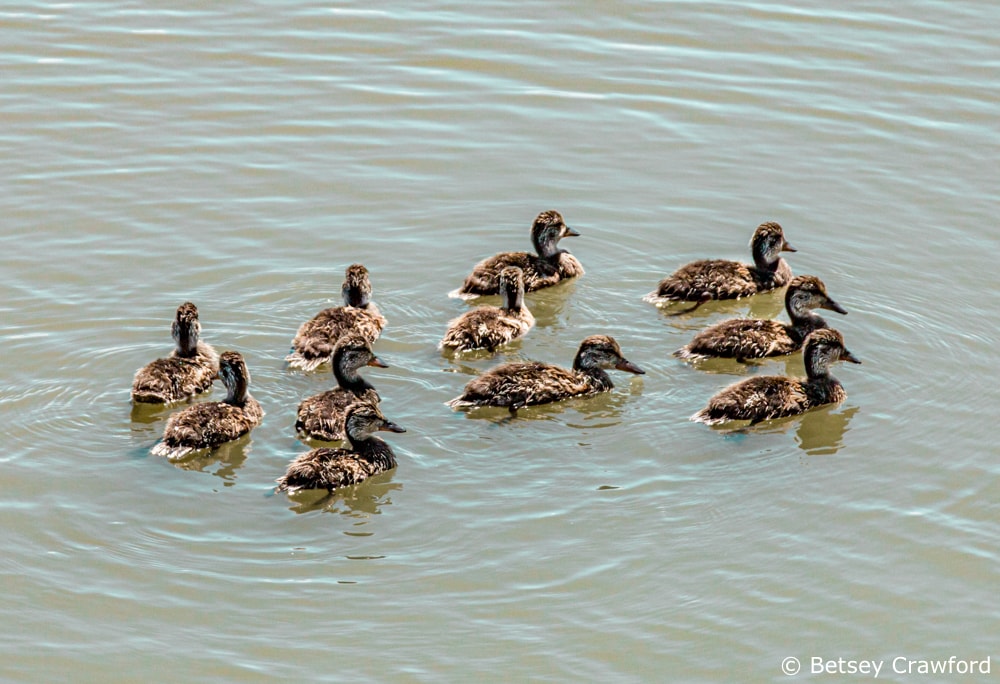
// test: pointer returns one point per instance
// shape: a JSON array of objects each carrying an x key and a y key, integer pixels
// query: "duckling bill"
[
  {"x": 316, "y": 338},
  {"x": 189, "y": 370},
  {"x": 515, "y": 385},
  {"x": 210, "y": 424},
  {"x": 707, "y": 279},
  {"x": 746, "y": 338},
  {"x": 775, "y": 396},
  {"x": 548, "y": 266}
]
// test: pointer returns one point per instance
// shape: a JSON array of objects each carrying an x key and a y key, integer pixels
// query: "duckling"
[
  {"x": 747, "y": 338},
  {"x": 331, "y": 468},
  {"x": 515, "y": 385},
  {"x": 189, "y": 370},
  {"x": 210, "y": 424},
  {"x": 321, "y": 416},
  {"x": 489, "y": 327},
  {"x": 550, "y": 266},
  {"x": 314, "y": 342},
  {"x": 775, "y": 396},
  {"x": 707, "y": 279}
]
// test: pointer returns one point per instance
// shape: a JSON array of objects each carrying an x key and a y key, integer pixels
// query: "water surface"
[{"x": 242, "y": 155}]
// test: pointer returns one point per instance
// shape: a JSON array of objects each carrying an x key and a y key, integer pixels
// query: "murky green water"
[{"x": 242, "y": 155}]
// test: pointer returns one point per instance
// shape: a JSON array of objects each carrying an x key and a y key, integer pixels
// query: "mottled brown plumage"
[
  {"x": 321, "y": 416},
  {"x": 514, "y": 385},
  {"x": 547, "y": 267},
  {"x": 329, "y": 468},
  {"x": 747, "y": 338},
  {"x": 189, "y": 370},
  {"x": 316, "y": 338},
  {"x": 776, "y": 396},
  {"x": 708, "y": 279},
  {"x": 489, "y": 327},
  {"x": 210, "y": 424}
]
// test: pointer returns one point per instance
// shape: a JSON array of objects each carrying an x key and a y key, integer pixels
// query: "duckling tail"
[
  {"x": 172, "y": 453},
  {"x": 686, "y": 354},
  {"x": 656, "y": 298},
  {"x": 459, "y": 402},
  {"x": 458, "y": 293},
  {"x": 299, "y": 361},
  {"x": 706, "y": 416}
]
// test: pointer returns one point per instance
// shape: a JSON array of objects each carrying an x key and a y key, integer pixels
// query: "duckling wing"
[
  {"x": 321, "y": 416},
  {"x": 755, "y": 399},
  {"x": 484, "y": 279},
  {"x": 719, "y": 278},
  {"x": 324, "y": 469},
  {"x": 172, "y": 379},
  {"x": 569, "y": 265},
  {"x": 487, "y": 327},
  {"x": 523, "y": 384},
  {"x": 741, "y": 338}
]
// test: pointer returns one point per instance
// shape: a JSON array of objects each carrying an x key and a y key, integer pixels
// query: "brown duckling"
[
  {"x": 329, "y": 468},
  {"x": 748, "y": 338},
  {"x": 515, "y": 385},
  {"x": 210, "y": 424},
  {"x": 321, "y": 416},
  {"x": 316, "y": 338},
  {"x": 548, "y": 267},
  {"x": 189, "y": 370},
  {"x": 489, "y": 327},
  {"x": 775, "y": 396},
  {"x": 707, "y": 279}
]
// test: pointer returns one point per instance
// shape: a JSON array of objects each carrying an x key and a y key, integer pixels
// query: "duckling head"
[
  {"x": 805, "y": 293},
  {"x": 363, "y": 419},
  {"x": 602, "y": 351},
  {"x": 186, "y": 329},
  {"x": 357, "y": 288},
  {"x": 512, "y": 287},
  {"x": 235, "y": 376},
  {"x": 351, "y": 353},
  {"x": 824, "y": 347},
  {"x": 767, "y": 243},
  {"x": 546, "y": 232}
]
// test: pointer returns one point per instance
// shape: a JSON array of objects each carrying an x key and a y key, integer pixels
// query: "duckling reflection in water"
[
  {"x": 211, "y": 424},
  {"x": 330, "y": 468},
  {"x": 748, "y": 338},
  {"x": 707, "y": 279},
  {"x": 548, "y": 266},
  {"x": 776, "y": 396},
  {"x": 316, "y": 338},
  {"x": 321, "y": 416},
  {"x": 489, "y": 327},
  {"x": 189, "y": 370},
  {"x": 515, "y": 385}
]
